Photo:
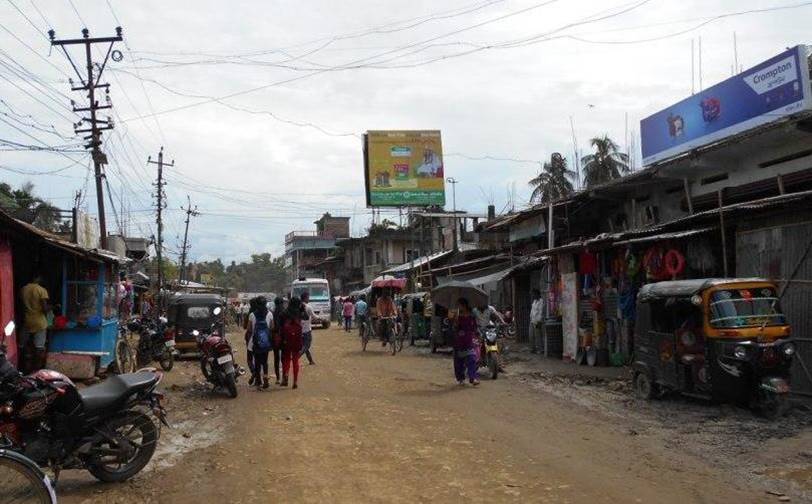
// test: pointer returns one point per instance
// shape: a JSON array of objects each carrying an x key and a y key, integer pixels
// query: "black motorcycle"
[
  {"x": 155, "y": 343},
  {"x": 105, "y": 428},
  {"x": 217, "y": 358}
]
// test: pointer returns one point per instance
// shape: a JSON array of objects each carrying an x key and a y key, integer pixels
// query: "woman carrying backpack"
[
  {"x": 290, "y": 326},
  {"x": 260, "y": 323}
]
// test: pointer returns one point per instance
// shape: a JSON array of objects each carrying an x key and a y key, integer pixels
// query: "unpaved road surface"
[{"x": 371, "y": 427}]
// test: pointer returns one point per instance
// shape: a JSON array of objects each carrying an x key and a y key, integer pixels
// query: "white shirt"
[
  {"x": 251, "y": 321},
  {"x": 244, "y": 309},
  {"x": 307, "y": 325},
  {"x": 484, "y": 317},
  {"x": 537, "y": 311}
]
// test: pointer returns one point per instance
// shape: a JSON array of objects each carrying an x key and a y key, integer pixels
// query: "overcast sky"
[{"x": 500, "y": 79}]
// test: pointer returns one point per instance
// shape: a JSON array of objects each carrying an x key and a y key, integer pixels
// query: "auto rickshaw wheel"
[
  {"x": 644, "y": 386},
  {"x": 773, "y": 406}
]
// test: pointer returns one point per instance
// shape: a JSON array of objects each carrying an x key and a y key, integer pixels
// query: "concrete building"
[{"x": 305, "y": 249}]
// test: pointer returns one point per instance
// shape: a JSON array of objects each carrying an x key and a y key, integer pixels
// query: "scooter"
[{"x": 217, "y": 358}]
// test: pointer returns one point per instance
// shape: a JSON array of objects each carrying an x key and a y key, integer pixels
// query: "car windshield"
[
  {"x": 317, "y": 293},
  {"x": 746, "y": 308}
]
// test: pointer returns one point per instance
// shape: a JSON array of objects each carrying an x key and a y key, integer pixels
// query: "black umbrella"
[{"x": 449, "y": 293}]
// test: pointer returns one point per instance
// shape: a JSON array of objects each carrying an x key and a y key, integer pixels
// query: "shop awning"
[
  {"x": 481, "y": 277},
  {"x": 666, "y": 236},
  {"x": 417, "y": 263}
]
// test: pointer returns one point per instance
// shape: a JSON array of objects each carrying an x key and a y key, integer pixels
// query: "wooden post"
[
  {"x": 687, "y": 188},
  {"x": 722, "y": 229}
]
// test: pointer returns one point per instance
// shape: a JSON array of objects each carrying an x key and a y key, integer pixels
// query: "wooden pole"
[{"x": 722, "y": 230}]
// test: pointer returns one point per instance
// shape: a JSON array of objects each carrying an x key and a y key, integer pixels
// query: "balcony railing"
[{"x": 293, "y": 235}]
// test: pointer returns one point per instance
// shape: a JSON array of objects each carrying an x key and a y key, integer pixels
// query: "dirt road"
[{"x": 370, "y": 427}]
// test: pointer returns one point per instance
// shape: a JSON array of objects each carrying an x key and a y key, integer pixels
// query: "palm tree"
[
  {"x": 22, "y": 204},
  {"x": 606, "y": 164},
  {"x": 553, "y": 182}
]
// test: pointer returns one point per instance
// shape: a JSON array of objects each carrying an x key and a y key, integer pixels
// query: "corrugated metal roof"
[
  {"x": 666, "y": 236},
  {"x": 97, "y": 254},
  {"x": 417, "y": 263}
]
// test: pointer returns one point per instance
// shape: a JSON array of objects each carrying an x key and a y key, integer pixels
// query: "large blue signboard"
[{"x": 765, "y": 93}]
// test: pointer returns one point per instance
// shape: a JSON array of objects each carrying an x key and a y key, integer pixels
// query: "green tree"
[
  {"x": 554, "y": 181},
  {"x": 23, "y": 204},
  {"x": 605, "y": 164}
]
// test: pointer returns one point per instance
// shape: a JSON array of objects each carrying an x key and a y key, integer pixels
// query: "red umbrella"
[{"x": 389, "y": 282}]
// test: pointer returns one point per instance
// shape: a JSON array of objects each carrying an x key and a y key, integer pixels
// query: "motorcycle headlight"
[
  {"x": 789, "y": 349},
  {"x": 739, "y": 352},
  {"x": 491, "y": 337},
  {"x": 195, "y": 333}
]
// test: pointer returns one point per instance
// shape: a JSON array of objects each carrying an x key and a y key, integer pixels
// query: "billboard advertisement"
[
  {"x": 404, "y": 168},
  {"x": 765, "y": 93}
]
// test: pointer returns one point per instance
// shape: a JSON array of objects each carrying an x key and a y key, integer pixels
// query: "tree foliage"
[
  {"x": 24, "y": 205},
  {"x": 554, "y": 181},
  {"x": 263, "y": 273},
  {"x": 605, "y": 164}
]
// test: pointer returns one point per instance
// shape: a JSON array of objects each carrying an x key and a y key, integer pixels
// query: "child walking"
[{"x": 291, "y": 329}]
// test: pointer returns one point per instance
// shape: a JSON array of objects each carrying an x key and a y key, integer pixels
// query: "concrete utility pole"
[
  {"x": 160, "y": 204},
  {"x": 90, "y": 83},
  {"x": 190, "y": 212}
]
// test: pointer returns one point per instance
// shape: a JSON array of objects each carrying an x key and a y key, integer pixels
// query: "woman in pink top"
[{"x": 349, "y": 309}]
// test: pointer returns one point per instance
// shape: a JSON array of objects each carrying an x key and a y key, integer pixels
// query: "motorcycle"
[
  {"x": 105, "y": 428},
  {"x": 155, "y": 342},
  {"x": 489, "y": 352},
  {"x": 217, "y": 358}
]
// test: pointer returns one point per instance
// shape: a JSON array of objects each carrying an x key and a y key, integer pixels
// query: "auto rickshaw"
[
  {"x": 189, "y": 312},
  {"x": 721, "y": 339}
]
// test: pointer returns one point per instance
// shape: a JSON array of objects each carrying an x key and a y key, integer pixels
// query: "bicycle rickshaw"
[{"x": 381, "y": 286}]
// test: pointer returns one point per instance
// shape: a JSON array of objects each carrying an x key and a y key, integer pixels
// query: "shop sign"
[{"x": 765, "y": 93}]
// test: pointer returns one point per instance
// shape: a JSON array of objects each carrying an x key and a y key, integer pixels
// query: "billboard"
[
  {"x": 404, "y": 168},
  {"x": 765, "y": 93}
]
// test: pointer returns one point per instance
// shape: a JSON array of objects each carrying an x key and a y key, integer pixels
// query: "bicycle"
[{"x": 22, "y": 481}]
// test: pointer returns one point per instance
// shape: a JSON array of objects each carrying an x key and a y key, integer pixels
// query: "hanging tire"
[
  {"x": 231, "y": 386},
  {"x": 167, "y": 361},
  {"x": 644, "y": 386},
  {"x": 133, "y": 428}
]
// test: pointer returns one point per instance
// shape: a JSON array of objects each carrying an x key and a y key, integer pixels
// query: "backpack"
[{"x": 262, "y": 335}]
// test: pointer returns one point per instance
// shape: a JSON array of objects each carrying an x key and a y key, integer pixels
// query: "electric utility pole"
[
  {"x": 160, "y": 196},
  {"x": 190, "y": 212},
  {"x": 90, "y": 83}
]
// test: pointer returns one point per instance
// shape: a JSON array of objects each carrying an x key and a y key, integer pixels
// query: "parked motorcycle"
[
  {"x": 155, "y": 342},
  {"x": 489, "y": 353},
  {"x": 217, "y": 358},
  {"x": 105, "y": 428}
]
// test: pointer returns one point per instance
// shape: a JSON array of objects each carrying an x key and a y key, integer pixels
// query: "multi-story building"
[{"x": 305, "y": 249}]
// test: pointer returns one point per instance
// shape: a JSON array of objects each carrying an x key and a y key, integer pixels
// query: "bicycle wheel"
[
  {"x": 399, "y": 340},
  {"x": 22, "y": 481}
]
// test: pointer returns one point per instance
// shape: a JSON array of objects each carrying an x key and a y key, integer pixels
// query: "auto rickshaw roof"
[
  {"x": 686, "y": 288},
  {"x": 180, "y": 299}
]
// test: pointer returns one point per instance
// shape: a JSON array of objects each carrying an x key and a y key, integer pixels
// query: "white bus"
[{"x": 319, "y": 290}]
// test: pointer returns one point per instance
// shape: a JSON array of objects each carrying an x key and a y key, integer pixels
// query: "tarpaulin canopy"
[{"x": 388, "y": 282}]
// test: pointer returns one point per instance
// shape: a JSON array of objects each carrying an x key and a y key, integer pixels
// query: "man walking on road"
[
  {"x": 307, "y": 327},
  {"x": 536, "y": 316}
]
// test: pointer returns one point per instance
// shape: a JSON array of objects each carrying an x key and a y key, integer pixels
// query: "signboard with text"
[
  {"x": 404, "y": 168},
  {"x": 767, "y": 92}
]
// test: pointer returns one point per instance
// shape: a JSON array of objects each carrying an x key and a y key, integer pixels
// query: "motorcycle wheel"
[
  {"x": 231, "y": 386},
  {"x": 204, "y": 368},
  {"x": 493, "y": 366},
  {"x": 773, "y": 406},
  {"x": 138, "y": 429},
  {"x": 167, "y": 360}
]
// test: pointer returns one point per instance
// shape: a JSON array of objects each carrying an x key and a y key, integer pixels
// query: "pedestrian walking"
[
  {"x": 291, "y": 329},
  {"x": 465, "y": 341},
  {"x": 37, "y": 304},
  {"x": 260, "y": 324},
  {"x": 276, "y": 336},
  {"x": 349, "y": 308},
  {"x": 536, "y": 316},
  {"x": 307, "y": 327}
]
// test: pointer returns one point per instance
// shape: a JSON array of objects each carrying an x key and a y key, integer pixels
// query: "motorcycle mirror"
[
  {"x": 217, "y": 311},
  {"x": 9, "y": 329}
]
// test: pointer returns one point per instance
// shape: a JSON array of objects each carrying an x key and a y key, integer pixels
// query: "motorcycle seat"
[{"x": 116, "y": 389}]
